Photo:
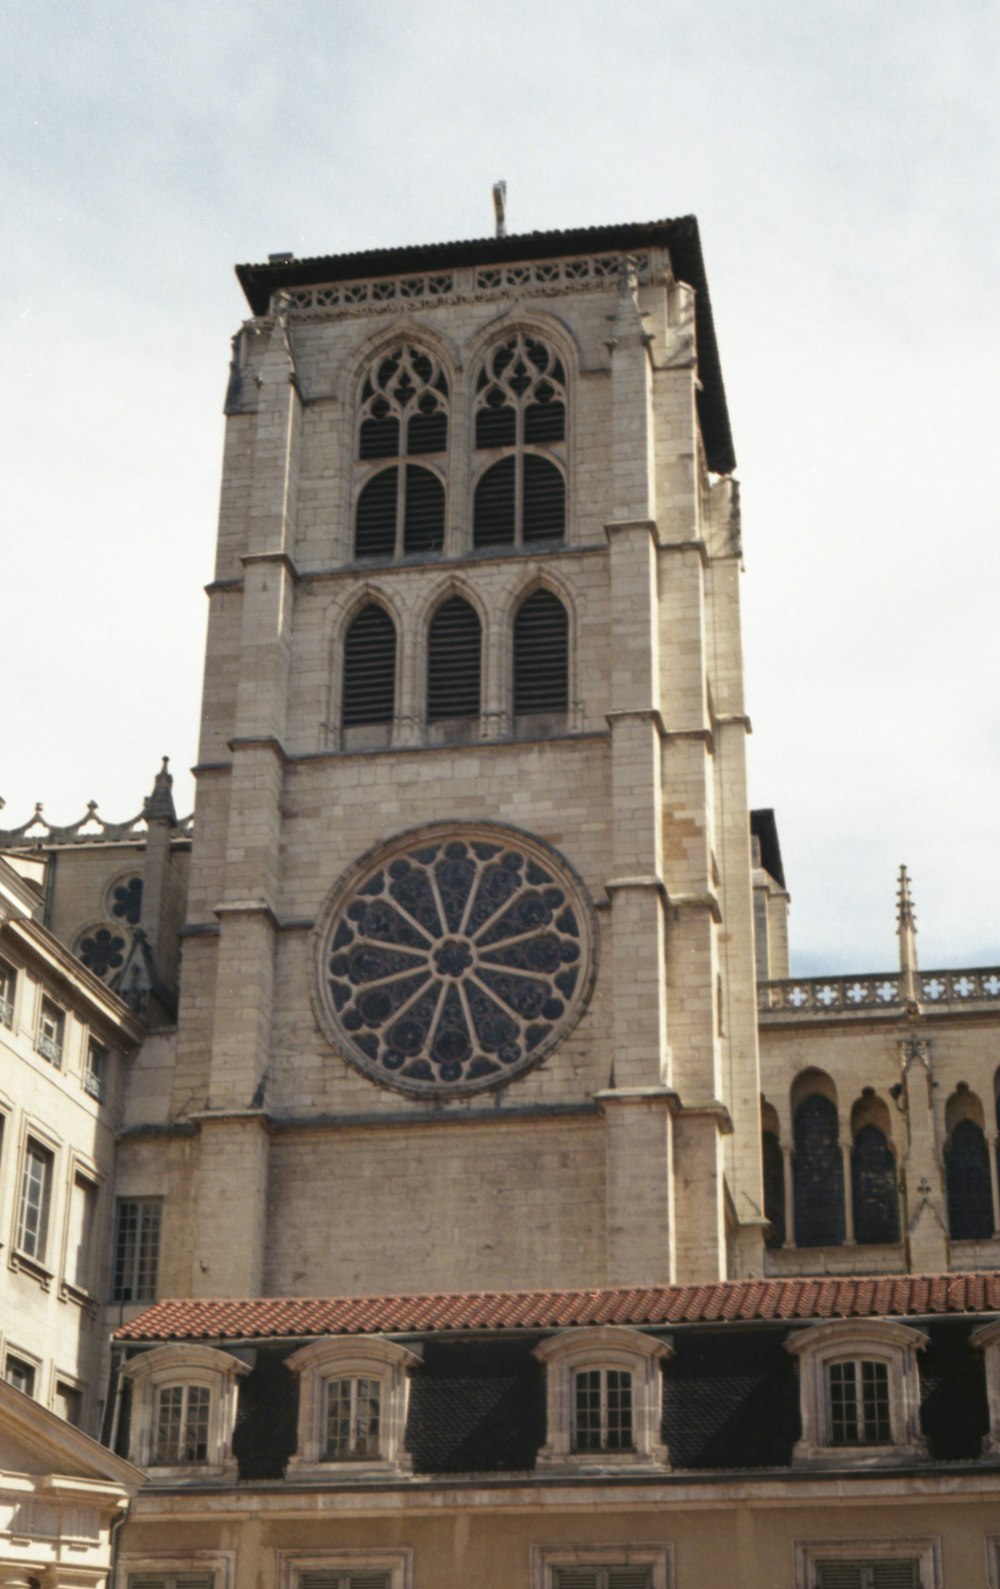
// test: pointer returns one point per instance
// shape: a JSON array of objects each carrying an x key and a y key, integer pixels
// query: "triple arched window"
[
  {"x": 454, "y": 662},
  {"x": 519, "y": 450}
]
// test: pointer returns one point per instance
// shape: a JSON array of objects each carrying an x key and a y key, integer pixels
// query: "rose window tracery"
[
  {"x": 102, "y": 951},
  {"x": 455, "y": 960}
]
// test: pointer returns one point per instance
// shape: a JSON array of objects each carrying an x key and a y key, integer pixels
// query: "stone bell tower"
[{"x": 468, "y": 995}]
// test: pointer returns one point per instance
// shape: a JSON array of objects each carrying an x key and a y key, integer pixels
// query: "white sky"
[{"x": 842, "y": 158}]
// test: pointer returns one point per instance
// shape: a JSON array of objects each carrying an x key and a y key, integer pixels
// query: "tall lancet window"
[
  {"x": 403, "y": 416},
  {"x": 520, "y": 420}
]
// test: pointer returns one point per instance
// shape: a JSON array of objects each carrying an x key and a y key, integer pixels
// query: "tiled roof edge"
[{"x": 723, "y": 1302}]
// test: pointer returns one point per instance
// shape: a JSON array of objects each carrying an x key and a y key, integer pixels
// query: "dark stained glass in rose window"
[{"x": 455, "y": 962}]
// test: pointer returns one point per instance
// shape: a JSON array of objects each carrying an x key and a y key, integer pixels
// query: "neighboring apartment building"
[{"x": 488, "y": 1098}]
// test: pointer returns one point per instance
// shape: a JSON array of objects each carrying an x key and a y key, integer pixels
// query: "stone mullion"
[
  {"x": 994, "y": 1179},
  {"x": 787, "y": 1170},
  {"x": 846, "y": 1150}
]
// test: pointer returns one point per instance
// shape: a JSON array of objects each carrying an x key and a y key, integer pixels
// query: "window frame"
[
  {"x": 51, "y": 1048},
  {"x": 487, "y": 457},
  {"x": 397, "y": 1563},
  {"x": 885, "y": 1341},
  {"x": 218, "y": 1565},
  {"x": 84, "y": 1174},
  {"x": 142, "y": 1203},
  {"x": 169, "y": 1367},
  {"x": 94, "y": 1079},
  {"x": 812, "y": 1553},
  {"x": 434, "y": 462},
  {"x": 9, "y": 979},
  {"x": 324, "y": 1362},
  {"x": 658, "y": 1556},
  {"x": 22, "y": 1255},
  {"x": 603, "y": 1347},
  {"x": 26, "y": 1360},
  {"x": 987, "y": 1340}
]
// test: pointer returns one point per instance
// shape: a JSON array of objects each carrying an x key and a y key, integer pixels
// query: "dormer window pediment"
[{"x": 353, "y": 1399}]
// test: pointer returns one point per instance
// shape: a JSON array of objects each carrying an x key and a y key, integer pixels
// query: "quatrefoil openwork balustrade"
[{"x": 454, "y": 959}]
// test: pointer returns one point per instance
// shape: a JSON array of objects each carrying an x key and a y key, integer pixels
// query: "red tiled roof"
[{"x": 876, "y": 1296}]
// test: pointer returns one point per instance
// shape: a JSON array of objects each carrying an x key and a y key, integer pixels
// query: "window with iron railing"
[{"x": 51, "y": 1030}]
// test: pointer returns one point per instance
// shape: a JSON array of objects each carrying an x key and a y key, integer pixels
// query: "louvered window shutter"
[
  {"x": 369, "y": 668},
  {"x": 423, "y": 514},
  {"x": 339, "y": 1578},
  {"x": 171, "y": 1580},
  {"x": 454, "y": 651},
  {"x": 602, "y": 1578},
  {"x": 493, "y": 516},
  {"x": 375, "y": 520},
  {"x": 898, "y": 1573},
  {"x": 541, "y": 655},
  {"x": 544, "y": 500}
]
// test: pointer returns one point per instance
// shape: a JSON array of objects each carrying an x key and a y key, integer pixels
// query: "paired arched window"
[
  {"x": 454, "y": 661},
  {"x": 967, "y": 1168},
  {"x": 404, "y": 416},
  {"x": 818, "y": 1167},
  {"x": 520, "y": 418}
]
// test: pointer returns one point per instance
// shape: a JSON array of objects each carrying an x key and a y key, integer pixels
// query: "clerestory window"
[
  {"x": 404, "y": 415},
  {"x": 520, "y": 435}
]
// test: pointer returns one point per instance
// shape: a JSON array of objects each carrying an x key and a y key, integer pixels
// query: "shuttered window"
[
  {"x": 521, "y": 410},
  {"x": 338, "y": 1578},
  {"x": 541, "y": 655},
  {"x": 610, "y": 1577},
  {"x": 454, "y": 660},
  {"x": 404, "y": 414},
  {"x": 898, "y": 1573},
  {"x": 369, "y": 668},
  {"x": 171, "y": 1580}
]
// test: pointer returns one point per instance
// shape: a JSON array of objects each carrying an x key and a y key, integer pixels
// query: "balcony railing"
[
  {"x": 94, "y": 1084},
  {"x": 6, "y": 1012},
  {"x": 819, "y": 996},
  {"x": 50, "y": 1048}
]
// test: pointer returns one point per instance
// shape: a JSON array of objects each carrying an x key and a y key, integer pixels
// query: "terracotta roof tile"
[{"x": 746, "y": 1300}]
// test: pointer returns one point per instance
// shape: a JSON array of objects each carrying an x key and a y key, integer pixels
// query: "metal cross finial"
[{"x": 500, "y": 207}]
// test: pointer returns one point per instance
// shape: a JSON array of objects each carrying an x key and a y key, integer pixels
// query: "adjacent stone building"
[{"x": 484, "y": 1165}]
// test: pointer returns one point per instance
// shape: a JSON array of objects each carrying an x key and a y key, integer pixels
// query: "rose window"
[
  {"x": 455, "y": 959},
  {"x": 102, "y": 951}
]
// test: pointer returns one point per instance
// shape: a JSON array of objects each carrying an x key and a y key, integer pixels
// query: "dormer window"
[
  {"x": 352, "y": 1407},
  {"x": 860, "y": 1392},
  {"x": 184, "y": 1411},
  {"x": 603, "y": 1398}
]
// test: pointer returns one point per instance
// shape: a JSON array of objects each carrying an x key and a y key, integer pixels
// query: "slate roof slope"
[
  {"x": 748, "y": 1301},
  {"x": 680, "y": 237}
]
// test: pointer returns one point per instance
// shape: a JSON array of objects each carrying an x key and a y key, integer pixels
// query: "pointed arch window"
[
  {"x": 520, "y": 418},
  {"x": 970, "y": 1196},
  {"x": 541, "y": 655},
  {"x": 403, "y": 415},
  {"x": 369, "y": 693},
  {"x": 454, "y": 661},
  {"x": 874, "y": 1195},
  {"x": 818, "y": 1173},
  {"x": 774, "y": 1187}
]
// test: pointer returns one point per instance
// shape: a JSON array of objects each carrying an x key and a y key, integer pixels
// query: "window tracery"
[
  {"x": 455, "y": 959},
  {"x": 520, "y": 414},
  {"x": 403, "y": 415}
]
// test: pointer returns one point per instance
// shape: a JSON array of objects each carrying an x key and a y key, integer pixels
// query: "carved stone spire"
[
  {"x": 906, "y": 929},
  {"x": 159, "y": 806}
]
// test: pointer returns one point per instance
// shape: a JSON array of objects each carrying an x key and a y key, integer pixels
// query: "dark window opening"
[
  {"x": 423, "y": 512},
  {"x": 774, "y": 1188},
  {"x": 970, "y": 1195},
  {"x": 541, "y": 655},
  {"x": 404, "y": 412},
  {"x": 454, "y": 652},
  {"x": 375, "y": 523},
  {"x": 494, "y": 515},
  {"x": 544, "y": 500},
  {"x": 369, "y": 668},
  {"x": 818, "y": 1174},
  {"x": 873, "y": 1188},
  {"x": 859, "y": 1403},
  {"x": 520, "y": 404}
]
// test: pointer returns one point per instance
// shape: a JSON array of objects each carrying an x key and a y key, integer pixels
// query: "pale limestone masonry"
[{"x": 614, "y": 1159}]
